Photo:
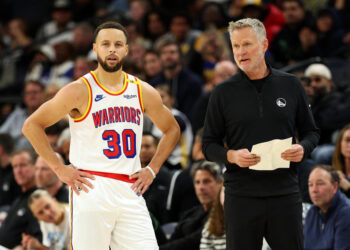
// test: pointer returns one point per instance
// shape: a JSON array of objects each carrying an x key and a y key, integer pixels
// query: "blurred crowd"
[{"x": 183, "y": 49}]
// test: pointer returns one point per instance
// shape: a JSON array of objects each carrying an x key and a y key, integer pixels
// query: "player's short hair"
[
  {"x": 212, "y": 167},
  {"x": 257, "y": 26},
  {"x": 111, "y": 25}
]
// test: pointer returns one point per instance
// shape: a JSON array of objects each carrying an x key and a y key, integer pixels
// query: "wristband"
[{"x": 151, "y": 170}]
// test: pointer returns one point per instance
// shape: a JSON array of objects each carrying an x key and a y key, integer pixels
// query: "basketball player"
[{"x": 105, "y": 109}]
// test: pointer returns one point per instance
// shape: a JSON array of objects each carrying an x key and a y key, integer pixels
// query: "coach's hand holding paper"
[{"x": 270, "y": 154}]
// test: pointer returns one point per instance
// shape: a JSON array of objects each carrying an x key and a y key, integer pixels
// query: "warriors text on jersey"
[{"x": 107, "y": 138}]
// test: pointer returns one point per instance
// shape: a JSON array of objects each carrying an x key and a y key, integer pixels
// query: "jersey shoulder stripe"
[
  {"x": 88, "y": 108},
  {"x": 135, "y": 80}
]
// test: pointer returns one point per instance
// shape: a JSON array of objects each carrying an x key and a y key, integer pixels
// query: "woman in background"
[
  {"x": 213, "y": 234},
  {"x": 341, "y": 159}
]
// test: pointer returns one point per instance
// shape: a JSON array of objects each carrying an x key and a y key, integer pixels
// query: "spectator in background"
[
  {"x": 15, "y": 57},
  {"x": 212, "y": 48},
  {"x": 329, "y": 33},
  {"x": 41, "y": 63},
  {"x": 83, "y": 35},
  {"x": 46, "y": 178},
  {"x": 252, "y": 9},
  {"x": 19, "y": 218},
  {"x": 9, "y": 189},
  {"x": 50, "y": 91},
  {"x": 213, "y": 234},
  {"x": 155, "y": 24},
  {"x": 274, "y": 20},
  {"x": 62, "y": 20},
  {"x": 341, "y": 159},
  {"x": 54, "y": 223},
  {"x": 54, "y": 131},
  {"x": 61, "y": 71},
  {"x": 212, "y": 15},
  {"x": 180, "y": 156},
  {"x": 133, "y": 30},
  {"x": 63, "y": 145},
  {"x": 328, "y": 220},
  {"x": 17, "y": 31},
  {"x": 138, "y": 9},
  {"x": 137, "y": 51},
  {"x": 152, "y": 65},
  {"x": 286, "y": 46},
  {"x": 81, "y": 66},
  {"x": 207, "y": 180},
  {"x": 222, "y": 71},
  {"x": 5, "y": 110},
  {"x": 185, "y": 37},
  {"x": 339, "y": 116},
  {"x": 33, "y": 97},
  {"x": 157, "y": 193},
  {"x": 182, "y": 196},
  {"x": 184, "y": 84},
  {"x": 323, "y": 97}
]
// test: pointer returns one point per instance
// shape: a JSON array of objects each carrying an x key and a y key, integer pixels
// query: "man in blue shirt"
[{"x": 327, "y": 223}]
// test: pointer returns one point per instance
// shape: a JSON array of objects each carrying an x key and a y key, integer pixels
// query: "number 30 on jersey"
[{"x": 115, "y": 143}]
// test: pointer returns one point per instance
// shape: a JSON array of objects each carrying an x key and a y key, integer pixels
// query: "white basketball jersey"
[{"x": 107, "y": 138}]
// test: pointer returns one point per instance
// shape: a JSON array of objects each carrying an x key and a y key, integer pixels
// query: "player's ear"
[
  {"x": 94, "y": 48},
  {"x": 127, "y": 49}
]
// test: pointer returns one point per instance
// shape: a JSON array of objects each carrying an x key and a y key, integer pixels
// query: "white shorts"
[{"x": 110, "y": 215}]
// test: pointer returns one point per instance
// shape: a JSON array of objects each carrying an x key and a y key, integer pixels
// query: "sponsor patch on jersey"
[{"x": 129, "y": 96}]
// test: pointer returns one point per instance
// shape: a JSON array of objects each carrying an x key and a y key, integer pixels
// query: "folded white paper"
[{"x": 270, "y": 154}]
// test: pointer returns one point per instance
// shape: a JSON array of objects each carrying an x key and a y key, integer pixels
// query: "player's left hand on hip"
[
  {"x": 294, "y": 154},
  {"x": 144, "y": 179}
]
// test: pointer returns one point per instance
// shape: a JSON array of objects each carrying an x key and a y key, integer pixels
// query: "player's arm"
[
  {"x": 165, "y": 121},
  {"x": 71, "y": 97}
]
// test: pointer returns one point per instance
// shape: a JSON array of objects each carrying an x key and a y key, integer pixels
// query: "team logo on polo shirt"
[{"x": 281, "y": 102}]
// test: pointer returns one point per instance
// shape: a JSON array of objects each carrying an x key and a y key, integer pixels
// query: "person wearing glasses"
[{"x": 323, "y": 98}]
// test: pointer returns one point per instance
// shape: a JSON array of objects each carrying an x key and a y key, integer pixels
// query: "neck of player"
[{"x": 110, "y": 79}]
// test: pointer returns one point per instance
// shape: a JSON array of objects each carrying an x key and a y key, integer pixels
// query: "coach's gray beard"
[{"x": 108, "y": 68}]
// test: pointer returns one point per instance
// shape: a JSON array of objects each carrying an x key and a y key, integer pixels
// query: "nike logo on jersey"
[
  {"x": 99, "y": 98},
  {"x": 129, "y": 96}
]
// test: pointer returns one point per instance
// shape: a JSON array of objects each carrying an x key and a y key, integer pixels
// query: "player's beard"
[{"x": 110, "y": 69}]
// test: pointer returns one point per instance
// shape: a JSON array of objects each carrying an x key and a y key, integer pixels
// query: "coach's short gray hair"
[{"x": 257, "y": 26}]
